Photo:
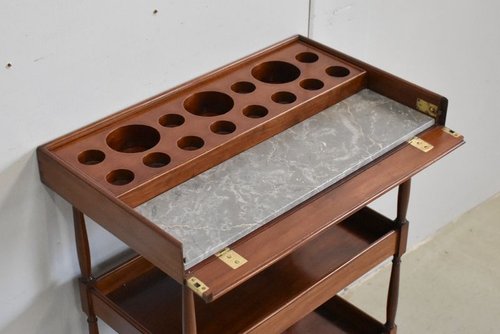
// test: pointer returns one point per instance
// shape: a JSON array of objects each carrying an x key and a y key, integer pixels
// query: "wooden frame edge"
[
  {"x": 161, "y": 249},
  {"x": 388, "y": 84}
]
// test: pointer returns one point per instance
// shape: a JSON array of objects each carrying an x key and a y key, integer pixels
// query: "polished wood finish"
[
  {"x": 128, "y": 271},
  {"x": 337, "y": 316},
  {"x": 188, "y": 311},
  {"x": 288, "y": 232},
  {"x": 198, "y": 125},
  {"x": 120, "y": 219},
  {"x": 84, "y": 260},
  {"x": 402, "y": 225},
  {"x": 390, "y": 85},
  {"x": 78, "y": 166},
  {"x": 82, "y": 245},
  {"x": 115, "y": 316},
  {"x": 70, "y": 178},
  {"x": 393, "y": 295},
  {"x": 403, "y": 201},
  {"x": 296, "y": 263},
  {"x": 401, "y": 164},
  {"x": 294, "y": 286}
]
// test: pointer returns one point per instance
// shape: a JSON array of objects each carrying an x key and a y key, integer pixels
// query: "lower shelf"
[
  {"x": 138, "y": 298},
  {"x": 337, "y": 316}
]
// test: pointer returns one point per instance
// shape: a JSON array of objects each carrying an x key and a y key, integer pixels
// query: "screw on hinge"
[
  {"x": 155, "y": 11},
  {"x": 9, "y": 65}
]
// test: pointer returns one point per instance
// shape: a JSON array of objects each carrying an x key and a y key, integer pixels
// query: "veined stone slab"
[{"x": 234, "y": 198}]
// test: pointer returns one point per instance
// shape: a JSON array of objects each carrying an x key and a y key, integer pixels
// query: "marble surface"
[{"x": 227, "y": 202}]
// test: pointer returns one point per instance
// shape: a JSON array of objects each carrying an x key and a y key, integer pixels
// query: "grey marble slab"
[{"x": 227, "y": 202}]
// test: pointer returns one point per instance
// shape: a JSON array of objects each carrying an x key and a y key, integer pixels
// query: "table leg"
[
  {"x": 83, "y": 252},
  {"x": 188, "y": 311},
  {"x": 402, "y": 226}
]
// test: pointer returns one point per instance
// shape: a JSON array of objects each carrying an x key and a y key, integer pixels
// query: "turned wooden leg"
[
  {"x": 392, "y": 298},
  {"x": 188, "y": 311},
  {"x": 83, "y": 252},
  {"x": 402, "y": 226}
]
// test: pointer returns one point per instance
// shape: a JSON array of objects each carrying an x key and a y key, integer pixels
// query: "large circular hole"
[
  {"x": 283, "y": 97},
  {"x": 243, "y": 87},
  {"x": 307, "y": 57},
  {"x": 209, "y": 103},
  {"x": 156, "y": 160},
  {"x": 133, "y": 138},
  {"x": 223, "y": 127},
  {"x": 120, "y": 177},
  {"x": 275, "y": 72},
  {"x": 255, "y": 111},
  {"x": 337, "y": 71},
  {"x": 311, "y": 84},
  {"x": 171, "y": 120},
  {"x": 190, "y": 143},
  {"x": 91, "y": 157}
]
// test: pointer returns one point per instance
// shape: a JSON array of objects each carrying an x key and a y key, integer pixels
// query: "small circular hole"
[
  {"x": 120, "y": 177},
  {"x": 307, "y": 57},
  {"x": 91, "y": 157},
  {"x": 275, "y": 72},
  {"x": 243, "y": 87},
  {"x": 171, "y": 120},
  {"x": 337, "y": 71},
  {"x": 133, "y": 138},
  {"x": 190, "y": 143},
  {"x": 283, "y": 97},
  {"x": 209, "y": 103},
  {"x": 255, "y": 111},
  {"x": 311, "y": 84},
  {"x": 223, "y": 127},
  {"x": 156, "y": 160}
]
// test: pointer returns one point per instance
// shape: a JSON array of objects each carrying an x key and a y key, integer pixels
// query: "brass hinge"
[
  {"x": 427, "y": 108},
  {"x": 451, "y": 132},
  {"x": 197, "y": 286},
  {"x": 231, "y": 258},
  {"x": 421, "y": 144}
]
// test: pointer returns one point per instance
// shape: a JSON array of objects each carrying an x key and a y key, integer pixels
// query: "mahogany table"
[{"x": 243, "y": 194}]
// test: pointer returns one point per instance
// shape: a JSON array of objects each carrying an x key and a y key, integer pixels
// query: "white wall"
[
  {"x": 74, "y": 62},
  {"x": 452, "y": 48}
]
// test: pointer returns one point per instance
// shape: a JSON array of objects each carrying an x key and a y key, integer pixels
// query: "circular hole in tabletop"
[
  {"x": 311, "y": 84},
  {"x": 255, "y": 111},
  {"x": 337, "y": 71},
  {"x": 243, "y": 87},
  {"x": 209, "y": 103},
  {"x": 120, "y": 177},
  {"x": 190, "y": 143},
  {"x": 156, "y": 160},
  {"x": 91, "y": 157},
  {"x": 275, "y": 72},
  {"x": 283, "y": 97},
  {"x": 223, "y": 127},
  {"x": 171, "y": 120},
  {"x": 307, "y": 57},
  {"x": 133, "y": 138}
]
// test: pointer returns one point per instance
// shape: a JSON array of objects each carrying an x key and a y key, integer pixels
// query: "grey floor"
[{"x": 450, "y": 284}]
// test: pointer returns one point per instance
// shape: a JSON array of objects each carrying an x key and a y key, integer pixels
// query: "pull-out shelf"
[
  {"x": 137, "y": 297},
  {"x": 274, "y": 159},
  {"x": 290, "y": 231}
]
